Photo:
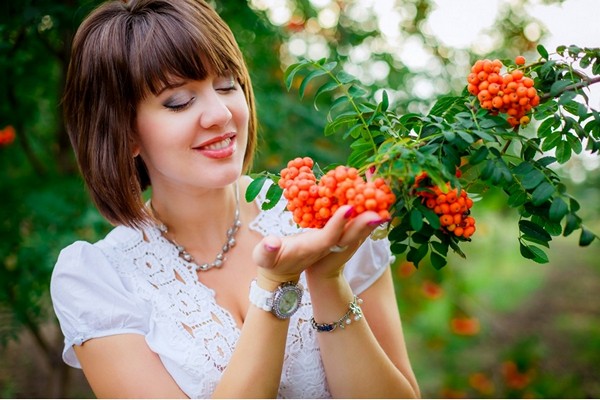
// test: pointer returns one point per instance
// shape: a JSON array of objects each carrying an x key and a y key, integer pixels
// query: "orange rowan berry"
[
  {"x": 517, "y": 74},
  {"x": 446, "y": 219},
  {"x": 497, "y": 102},
  {"x": 478, "y": 66},
  {"x": 520, "y": 60}
]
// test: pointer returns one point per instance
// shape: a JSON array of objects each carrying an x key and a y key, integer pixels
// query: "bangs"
[{"x": 165, "y": 49}]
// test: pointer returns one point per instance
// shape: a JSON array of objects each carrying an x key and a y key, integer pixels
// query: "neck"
[{"x": 198, "y": 221}]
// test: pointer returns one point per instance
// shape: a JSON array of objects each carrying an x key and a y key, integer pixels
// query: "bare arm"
[
  {"x": 368, "y": 358},
  {"x": 123, "y": 366}
]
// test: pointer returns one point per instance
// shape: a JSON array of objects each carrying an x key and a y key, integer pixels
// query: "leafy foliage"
[{"x": 457, "y": 134}]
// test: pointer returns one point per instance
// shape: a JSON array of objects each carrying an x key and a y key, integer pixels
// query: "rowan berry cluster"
[
  {"x": 511, "y": 93},
  {"x": 313, "y": 202},
  {"x": 453, "y": 207}
]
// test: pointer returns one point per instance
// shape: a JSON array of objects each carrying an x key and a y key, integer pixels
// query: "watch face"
[{"x": 287, "y": 300}]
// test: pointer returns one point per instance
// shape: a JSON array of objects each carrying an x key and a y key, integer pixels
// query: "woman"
[{"x": 195, "y": 293}]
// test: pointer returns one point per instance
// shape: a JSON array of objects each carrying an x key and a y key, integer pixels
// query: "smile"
[
  {"x": 218, "y": 148},
  {"x": 218, "y": 145}
]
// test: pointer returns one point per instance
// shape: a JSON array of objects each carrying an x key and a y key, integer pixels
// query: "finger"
[
  {"x": 266, "y": 252},
  {"x": 360, "y": 227},
  {"x": 333, "y": 230}
]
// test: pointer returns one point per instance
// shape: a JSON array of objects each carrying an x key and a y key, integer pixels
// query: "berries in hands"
[{"x": 313, "y": 202}]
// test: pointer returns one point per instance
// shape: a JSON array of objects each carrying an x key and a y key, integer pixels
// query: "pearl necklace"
[{"x": 229, "y": 243}]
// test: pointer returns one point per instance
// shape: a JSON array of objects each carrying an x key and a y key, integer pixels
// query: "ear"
[{"x": 135, "y": 148}]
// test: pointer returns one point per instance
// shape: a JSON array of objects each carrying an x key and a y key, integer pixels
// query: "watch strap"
[{"x": 260, "y": 297}]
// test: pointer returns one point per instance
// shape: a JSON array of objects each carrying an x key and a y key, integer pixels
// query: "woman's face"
[{"x": 194, "y": 134}]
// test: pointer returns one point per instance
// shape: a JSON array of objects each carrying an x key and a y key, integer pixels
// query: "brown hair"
[{"x": 122, "y": 52}]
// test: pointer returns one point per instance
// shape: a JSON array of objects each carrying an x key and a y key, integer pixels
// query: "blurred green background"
[{"x": 492, "y": 325}]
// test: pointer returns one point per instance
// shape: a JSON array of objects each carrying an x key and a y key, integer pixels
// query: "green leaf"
[
  {"x": 398, "y": 248},
  {"x": 465, "y": 136},
  {"x": 573, "y": 222},
  {"x": 416, "y": 219},
  {"x": 327, "y": 87},
  {"x": 559, "y": 86},
  {"x": 431, "y": 217},
  {"x": 517, "y": 199},
  {"x": 485, "y": 136},
  {"x": 563, "y": 152},
  {"x": 440, "y": 247},
  {"x": 445, "y": 104},
  {"x": 552, "y": 140},
  {"x": 532, "y": 179},
  {"x": 553, "y": 228},
  {"x": 545, "y": 161},
  {"x": 523, "y": 168},
  {"x": 558, "y": 209},
  {"x": 542, "y": 193},
  {"x": 449, "y": 135},
  {"x": 546, "y": 126},
  {"x": 479, "y": 155},
  {"x": 566, "y": 97},
  {"x": 354, "y": 132},
  {"x": 574, "y": 143},
  {"x": 416, "y": 254},
  {"x": 357, "y": 91},
  {"x": 307, "y": 79},
  {"x": 254, "y": 188},
  {"x": 290, "y": 72},
  {"x": 272, "y": 197},
  {"x": 533, "y": 253},
  {"x": 542, "y": 51},
  {"x": 385, "y": 101},
  {"x": 533, "y": 230},
  {"x": 345, "y": 77},
  {"x": 437, "y": 260},
  {"x": 539, "y": 255},
  {"x": 586, "y": 237}
]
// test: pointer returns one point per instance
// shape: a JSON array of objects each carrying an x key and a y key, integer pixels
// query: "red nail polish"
[
  {"x": 349, "y": 213},
  {"x": 378, "y": 222}
]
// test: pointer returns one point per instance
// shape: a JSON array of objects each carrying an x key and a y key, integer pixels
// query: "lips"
[{"x": 218, "y": 147}]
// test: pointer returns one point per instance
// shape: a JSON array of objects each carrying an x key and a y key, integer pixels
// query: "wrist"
[
  {"x": 328, "y": 282},
  {"x": 270, "y": 281}
]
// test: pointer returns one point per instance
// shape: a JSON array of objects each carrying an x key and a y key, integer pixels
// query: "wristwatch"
[{"x": 283, "y": 302}]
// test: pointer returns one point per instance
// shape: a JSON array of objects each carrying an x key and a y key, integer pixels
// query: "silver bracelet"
[{"x": 354, "y": 313}]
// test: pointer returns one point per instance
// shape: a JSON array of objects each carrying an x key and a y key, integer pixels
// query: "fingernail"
[
  {"x": 349, "y": 213},
  {"x": 270, "y": 248},
  {"x": 378, "y": 222}
]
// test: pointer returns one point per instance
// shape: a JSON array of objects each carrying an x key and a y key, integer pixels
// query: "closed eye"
[{"x": 178, "y": 106}]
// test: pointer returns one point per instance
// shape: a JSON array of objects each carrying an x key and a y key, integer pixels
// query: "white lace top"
[{"x": 125, "y": 284}]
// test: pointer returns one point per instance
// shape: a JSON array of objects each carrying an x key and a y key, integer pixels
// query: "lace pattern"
[{"x": 194, "y": 336}]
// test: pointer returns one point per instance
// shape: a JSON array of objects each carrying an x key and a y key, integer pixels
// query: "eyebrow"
[{"x": 169, "y": 86}]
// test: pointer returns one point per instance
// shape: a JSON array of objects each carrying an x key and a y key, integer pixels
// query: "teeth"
[{"x": 219, "y": 145}]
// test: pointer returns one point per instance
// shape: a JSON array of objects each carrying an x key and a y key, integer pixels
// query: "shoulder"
[
  {"x": 91, "y": 298},
  {"x": 85, "y": 259}
]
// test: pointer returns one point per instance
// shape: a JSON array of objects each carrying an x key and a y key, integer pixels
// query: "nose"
[{"x": 216, "y": 112}]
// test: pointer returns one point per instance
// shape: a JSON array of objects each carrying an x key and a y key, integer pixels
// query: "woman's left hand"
[{"x": 324, "y": 251}]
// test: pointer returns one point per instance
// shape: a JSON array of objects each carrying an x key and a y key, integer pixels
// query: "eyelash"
[{"x": 181, "y": 107}]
